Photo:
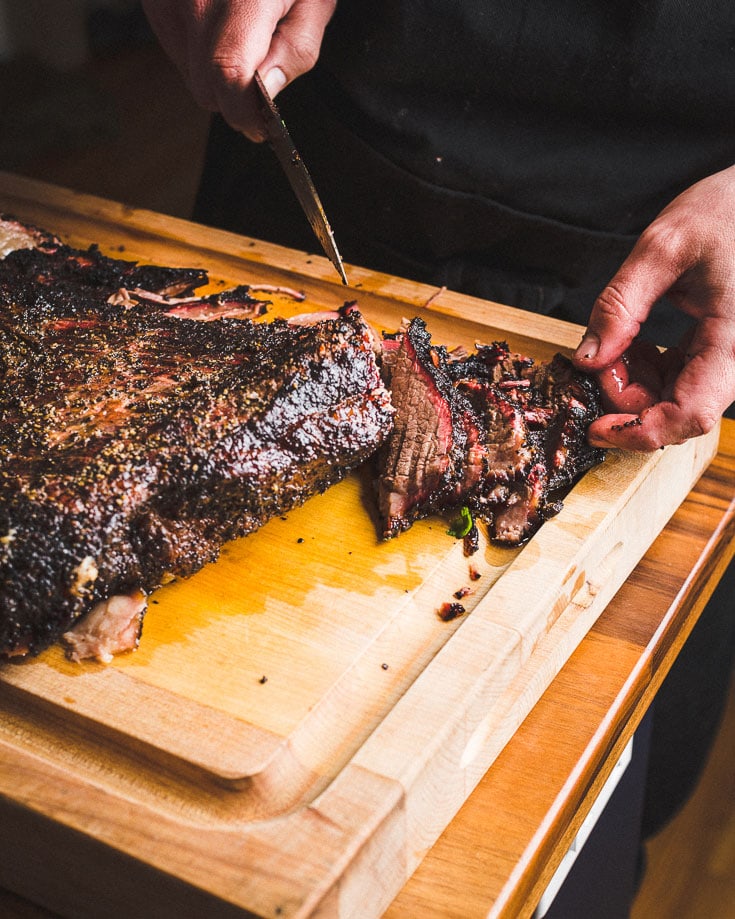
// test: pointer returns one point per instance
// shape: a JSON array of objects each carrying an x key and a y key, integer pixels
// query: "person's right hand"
[{"x": 218, "y": 45}]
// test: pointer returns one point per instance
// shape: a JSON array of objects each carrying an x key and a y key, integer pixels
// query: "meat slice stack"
[
  {"x": 491, "y": 431},
  {"x": 134, "y": 441}
]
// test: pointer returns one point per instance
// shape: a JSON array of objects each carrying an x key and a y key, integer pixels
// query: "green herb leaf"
[{"x": 461, "y": 524}]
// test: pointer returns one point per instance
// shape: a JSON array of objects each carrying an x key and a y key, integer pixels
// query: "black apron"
[{"x": 512, "y": 152}]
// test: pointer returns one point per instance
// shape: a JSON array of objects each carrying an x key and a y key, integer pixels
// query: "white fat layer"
[
  {"x": 12, "y": 238},
  {"x": 110, "y": 627}
]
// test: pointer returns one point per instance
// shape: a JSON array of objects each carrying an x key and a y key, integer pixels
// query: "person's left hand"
[{"x": 653, "y": 398}]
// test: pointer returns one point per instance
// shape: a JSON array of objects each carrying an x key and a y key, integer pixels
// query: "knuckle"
[
  {"x": 229, "y": 73},
  {"x": 611, "y": 307},
  {"x": 304, "y": 53},
  {"x": 646, "y": 439},
  {"x": 702, "y": 422},
  {"x": 680, "y": 425},
  {"x": 666, "y": 242}
]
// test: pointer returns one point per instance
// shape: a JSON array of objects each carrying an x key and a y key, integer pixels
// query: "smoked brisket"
[
  {"x": 490, "y": 431},
  {"x": 142, "y": 426},
  {"x": 134, "y": 442}
]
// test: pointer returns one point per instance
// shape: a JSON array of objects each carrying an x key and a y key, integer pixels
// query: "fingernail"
[
  {"x": 588, "y": 347},
  {"x": 274, "y": 81}
]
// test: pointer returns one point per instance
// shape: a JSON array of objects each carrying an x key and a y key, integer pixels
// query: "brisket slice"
[
  {"x": 133, "y": 443},
  {"x": 491, "y": 430},
  {"x": 421, "y": 466}
]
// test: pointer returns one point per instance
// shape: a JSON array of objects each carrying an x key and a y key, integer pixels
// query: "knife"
[{"x": 298, "y": 177}]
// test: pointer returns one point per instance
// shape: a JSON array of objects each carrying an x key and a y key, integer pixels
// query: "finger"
[
  {"x": 701, "y": 392},
  {"x": 623, "y": 431},
  {"x": 280, "y": 47},
  {"x": 238, "y": 41},
  {"x": 636, "y": 380},
  {"x": 622, "y": 397},
  {"x": 657, "y": 260},
  {"x": 296, "y": 43},
  {"x": 659, "y": 426}
]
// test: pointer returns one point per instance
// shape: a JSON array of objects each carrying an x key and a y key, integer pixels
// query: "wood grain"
[
  {"x": 475, "y": 858},
  {"x": 335, "y": 770},
  {"x": 500, "y": 851}
]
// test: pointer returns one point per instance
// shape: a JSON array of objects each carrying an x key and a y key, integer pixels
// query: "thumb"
[
  {"x": 296, "y": 43},
  {"x": 624, "y": 304}
]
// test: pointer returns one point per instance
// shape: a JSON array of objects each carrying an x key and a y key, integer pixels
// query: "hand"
[
  {"x": 219, "y": 44},
  {"x": 657, "y": 398}
]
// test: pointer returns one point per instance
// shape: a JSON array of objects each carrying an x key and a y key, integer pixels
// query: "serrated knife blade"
[{"x": 298, "y": 177}]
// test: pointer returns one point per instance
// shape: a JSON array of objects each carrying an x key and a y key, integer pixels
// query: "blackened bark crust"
[{"x": 133, "y": 444}]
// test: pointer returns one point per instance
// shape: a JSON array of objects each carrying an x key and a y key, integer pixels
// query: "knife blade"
[{"x": 298, "y": 177}]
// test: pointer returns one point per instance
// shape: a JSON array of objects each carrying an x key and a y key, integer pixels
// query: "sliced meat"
[
  {"x": 560, "y": 405},
  {"x": 422, "y": 463},
  {"x": 488, "y": 430}
]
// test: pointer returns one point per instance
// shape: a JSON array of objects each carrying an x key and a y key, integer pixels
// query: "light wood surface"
[
  {"x": 511, "y": 832},
  {"x": 498, "y": 854},
  {"x": 335, "y": 771}
]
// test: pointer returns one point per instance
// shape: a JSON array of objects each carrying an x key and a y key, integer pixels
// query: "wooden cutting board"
[{"x": 299, "y": 725}]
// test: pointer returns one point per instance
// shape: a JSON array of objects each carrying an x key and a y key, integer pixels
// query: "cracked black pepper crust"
[{"x": 133, "y": 444}]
